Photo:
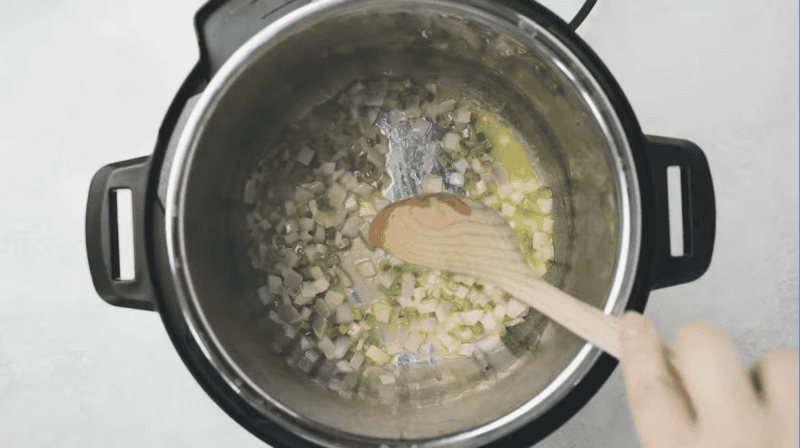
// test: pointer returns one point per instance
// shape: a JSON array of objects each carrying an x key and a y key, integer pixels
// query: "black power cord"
[{"x": 582, "y": 13}]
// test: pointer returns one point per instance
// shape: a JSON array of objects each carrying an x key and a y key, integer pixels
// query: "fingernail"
[{"x": 633, "y": 325}]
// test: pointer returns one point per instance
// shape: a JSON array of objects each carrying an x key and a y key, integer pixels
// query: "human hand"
[{"x": 723, "y": 407}]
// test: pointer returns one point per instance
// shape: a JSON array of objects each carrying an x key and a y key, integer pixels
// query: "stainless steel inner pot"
[{"x": 491, "y": 53}]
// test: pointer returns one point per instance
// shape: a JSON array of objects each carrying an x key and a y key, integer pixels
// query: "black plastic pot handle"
[
  {"x": 224, "y": 25},
  {"x": 101, "y": 234},
  {"x": 699, "y": 211}
]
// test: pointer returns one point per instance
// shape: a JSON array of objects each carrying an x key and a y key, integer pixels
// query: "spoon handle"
[{"x": 582, "y": 319}]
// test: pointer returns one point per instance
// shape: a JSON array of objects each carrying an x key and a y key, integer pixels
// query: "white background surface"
[{"x": 86, "y": 83}]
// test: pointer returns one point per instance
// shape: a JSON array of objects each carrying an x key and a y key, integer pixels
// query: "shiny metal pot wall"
[{"x": 524, "y": 66}]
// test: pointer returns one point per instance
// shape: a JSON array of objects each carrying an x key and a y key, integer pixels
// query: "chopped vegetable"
[
  {"x": 275, "y": 284},
  {"x": 379, "y": 356},
  {"x": 344, "y": 315},
  {"x": 249, "y": 192},
  {"x": 462, "y": 116},
  {"x": 334, "y": 298},
  {"x": 450, "y": 141},
  {"x": 305, "y": 156},
  {"x": 381, "y": 311},
  {"x": 366, "y": 269},
  {"x": 310, "y": 236},
  {"x": 264, "y": 296},
  {"x": 431, "y": 183}
]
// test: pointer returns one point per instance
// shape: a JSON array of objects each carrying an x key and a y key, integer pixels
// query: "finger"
[
  {"x": 655, "y": 410},
  {"x": 713, "y": 375},
  {"x": 778, "y": 371}
]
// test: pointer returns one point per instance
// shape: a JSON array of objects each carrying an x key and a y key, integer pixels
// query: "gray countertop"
[{"x": 87, "y": 83}]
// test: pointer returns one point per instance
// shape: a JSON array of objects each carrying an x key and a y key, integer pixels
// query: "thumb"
[{"x": 656, "y": 412}]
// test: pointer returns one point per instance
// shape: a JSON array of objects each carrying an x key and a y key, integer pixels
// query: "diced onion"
[
  {"x": 428, "y": 306},
  {"x": 488, "y": 321},
  {"x": 356, "y": 360},
  {"x": 343, "y": 277},
  {"x": 547, "y": 224},
  {"x": 443, "y": 310},
  {"x": 351, "y": 226},
  {"x": 480, "y": 187},
  {"x": 471, "y": 317},
  {"x": 476, "y": 166},
  {"x": 503, "y": 190},
  {"x": 515, "y": 308},
  {"x": 337, "y": 194},
  {"x": 462, "y": 116},
  {"x": 420, "y": 127},
  {"x": 326, "y": 345},
  {"x": 349, "y": 181},
  {"x": 305, "y": 156},
  {"x": 516, "y": 321},
  {"x": 450, "y": 141},
  {"x": 344, "y": 366},
  {"x": 429, "y": 325},
  {"x": 328, "y": 168},
  {"x": 489, "y": 344},
  {"x": 461, "y": 165},
  {"x": 350, "y": 203},
  {"x": 381, "y": 203},
  {"x": 379, "y": 356},
  {"x": 275, "y": 284},
  {"x": 365, "y": 268},
  {"x": 321, "y": 285},
  {"x": 322, "y": 308},
  {"x": 387, "y": 378},
  {"x": 306, "y": 224},
  {"x": 431, "y": 183},
  {"x": 456, "y": 179},
  {"x": 386, "y": 279},
  {"x": 319, "y": 235},
  {"x": 407, "y": 285},
  {"x": 508, "y": 209},
  {"x": 344, "y": 314},
  {"x": 264, "y": 296},
  {"x": 467, "y": 349},
  {"x": 341, "y": 346},
  {"x": 545, "y": 204},
  {"x": 413, "y": 341},
  {"x": 316, "y": 272},
  {"x": 319, "y": 325},
  {"x": 292, "y": 279},
  {"x": 249, "y": 192},
  {"x": 381, "y": 311},
  {"x": 334, "y": 298}
]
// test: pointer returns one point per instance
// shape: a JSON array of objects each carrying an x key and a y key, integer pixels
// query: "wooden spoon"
[{"x": 448, "y": 232}]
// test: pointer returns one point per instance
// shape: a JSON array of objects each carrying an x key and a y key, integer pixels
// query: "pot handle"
[
  {"x": 102, "y": 239},
  {"x": 699, "y": 211},
  {"x": 222, "y": 26}
]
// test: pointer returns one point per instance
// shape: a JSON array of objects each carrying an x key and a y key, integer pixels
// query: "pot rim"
[{"x": 629, "y": 203}]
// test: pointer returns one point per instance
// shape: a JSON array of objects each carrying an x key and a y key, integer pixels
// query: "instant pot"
[{"x": 263, "y": 62}]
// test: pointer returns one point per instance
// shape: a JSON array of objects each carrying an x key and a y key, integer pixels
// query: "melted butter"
[{"x": 510, "y": 152}]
